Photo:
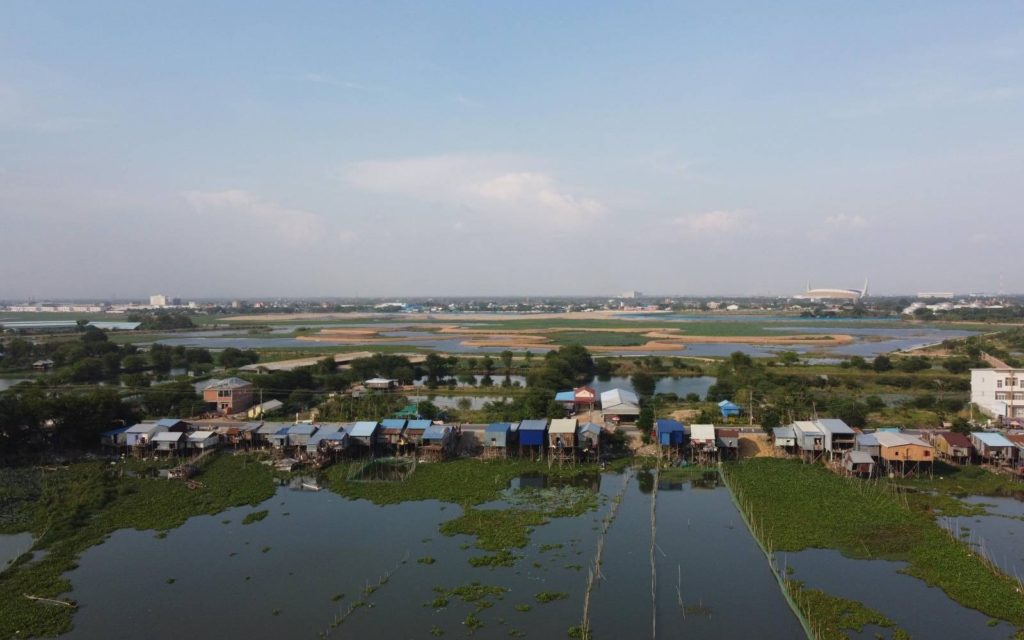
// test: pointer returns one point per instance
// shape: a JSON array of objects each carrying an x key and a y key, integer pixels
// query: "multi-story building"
[
  {"x": 231, "y": 395},
  {"x": 999, "y": 393}
]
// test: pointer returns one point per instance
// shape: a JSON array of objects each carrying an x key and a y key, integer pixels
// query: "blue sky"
[{"x": 247, "y": 149}]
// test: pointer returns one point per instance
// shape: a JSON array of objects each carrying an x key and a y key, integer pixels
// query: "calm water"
[
  {"x": 321, "y": 544},
  {"x": 7, "y": 383},
  {"x": 902, "y": 598},
  {"x": 999, "y": 536},
  {"x": 12, "y": 546},
  {"x": 870, "y": 340}
]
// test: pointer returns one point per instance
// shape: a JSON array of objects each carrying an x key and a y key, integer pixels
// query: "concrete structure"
[
  {"x": 230, "y": 395},
  {"x": 158, "y": 300},
  {"x": 999, "y": 393},
  {"x": 833, "y": 294}
]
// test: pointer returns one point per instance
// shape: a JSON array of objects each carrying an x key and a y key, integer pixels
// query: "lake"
[{"x": 279, "y": 577}]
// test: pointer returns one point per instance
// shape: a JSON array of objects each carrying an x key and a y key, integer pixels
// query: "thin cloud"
[
  {"x": 845, "y": 221},
  {"x": 496, "y": 186},
  {"x": 322, "y": 78},
  {"x": 712, "y": 222},
  {"x": 293, "y": 226}
]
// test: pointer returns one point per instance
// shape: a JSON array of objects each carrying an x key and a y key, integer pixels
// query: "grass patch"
[
  {"x": 255, "y": 516},
  {"x": 805, "y": 506},
  {"x": 830, "y": 616},
  {"x": 82, "y": 504},
  {"x": 496, "y": 529}
]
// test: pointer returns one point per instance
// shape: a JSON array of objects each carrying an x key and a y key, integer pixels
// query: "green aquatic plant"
[{"x": 255, "y": 516}]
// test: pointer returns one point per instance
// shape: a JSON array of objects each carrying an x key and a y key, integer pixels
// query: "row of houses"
[
  {"x": 619, "y": 405},
  {"x": 563, "y": 439},
  {"x": 703, "y": 443}
]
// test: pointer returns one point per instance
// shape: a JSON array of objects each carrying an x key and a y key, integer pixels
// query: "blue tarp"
[
  {"x": 531, "y": 432},
  {"x": 728, "y": 408},
  {"x": 670, "y": 431},
  {"x": 565, "y": 396}
]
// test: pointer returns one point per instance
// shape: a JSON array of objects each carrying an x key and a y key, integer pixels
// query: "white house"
[{"x": 999, "y": 393}]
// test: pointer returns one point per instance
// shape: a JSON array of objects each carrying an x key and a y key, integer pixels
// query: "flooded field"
[
  {"x": 298, "y": 570},
  {"x": 999, "y": 536}
]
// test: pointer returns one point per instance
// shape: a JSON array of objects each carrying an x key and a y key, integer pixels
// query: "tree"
[
  {"x": 882, "y": 363},
  {"x": 789, "y": 357},
  {"x": 644, "y": 383},
  {"x": 428, "y": 410},
  {"x": 645, "y": 421},
  {"x": 770, "y": 418},
  {"x": 488, "y": 363},
  {"x": 506, "y": 360}
]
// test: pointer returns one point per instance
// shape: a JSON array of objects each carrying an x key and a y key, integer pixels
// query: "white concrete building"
[
  {"x": 999, "y": 393},
  {"x": 158, "y": 300}
]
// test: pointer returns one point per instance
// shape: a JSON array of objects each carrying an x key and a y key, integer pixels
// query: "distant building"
[
  {"x": 999, "y": 393},
  {"x": 935, "y": 295},
  {"x": 833, "y": 294},
  {"x": 158, "y": 300},
  {"x": 230, "y": 395},
  {"x": 631, "y": 295}
]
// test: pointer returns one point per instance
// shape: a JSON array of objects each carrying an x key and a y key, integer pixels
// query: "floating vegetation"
[
  {"x": 436, "y": 631},
  {"x": 170, "y": 581},
  {"x": 829, "y": 616},
  {"x": 255, "y": 516},
  {"x": 426, "y": 560},
  {"x": 550, "y": 596},
  {"x": 503, "y": 558},
  {"x": 160, "y": 535},
  {"x": 804, "y": 506},
  {"x": 544, "y": 548},
  {"x": 472, "y": 622},
  {"x": 337, "y": 596},
  {"x": 264, "y": 549},
  {"x": 523, "y": 608}
]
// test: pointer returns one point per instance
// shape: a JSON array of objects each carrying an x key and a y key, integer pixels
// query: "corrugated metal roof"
[
  {"x": 667, "y": 425},
  {"x": 702, "y": 432},
  {"x": 417, "y": 425},
  {"x": 197, "y": 436},
  {"x": 590, "y": 427},
  {"x": 268, "y": 428},
  {"x": 230, "y": 383},
  {"x": 860, "y": 457},
  {"x": 302, "y": 430},
  {"x": 565, "y": 396},
  {"x": 867, "y": 439},
  {"x": 806, "y": 426},
  {"x": 533, "y": 425},
  {"x": 363, "y": 429},
  {"x": 393, "y": 423},
  {"x": 782, "y": 433},
  {"x": 955, "y": 439},
  {"x": 887, "y": 439},
  {"x": 114, "y": 432},
  {"x": 144, "y": 428},
  {"x": 168, "y": 436},
  {"x": 614, "y": 397},
  {"x": 169, "y": 422},
  {"x": 834, "y": 426},
  {"x": 563, "y": 425},
  {"x": 498, "y": 427},
  {"x": 990, "y": 439},
  {"x": 436, "y": 431}
]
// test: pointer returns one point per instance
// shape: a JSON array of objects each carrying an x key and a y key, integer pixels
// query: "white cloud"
[
  {"x": 844, "y": 221},
  {"x": 495, "y": 186},
  {"x": 347, "y": 237},
  {"x": 293, "y": 226},
  {"x": 322, "y": 78},
  {"x": 712, "y": 222}
]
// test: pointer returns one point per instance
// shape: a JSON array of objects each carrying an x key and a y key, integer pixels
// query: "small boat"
[{"x": 310, "y": 486}]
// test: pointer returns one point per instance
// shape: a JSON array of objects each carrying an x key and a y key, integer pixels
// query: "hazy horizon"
[{"x": 234, "y": 150}]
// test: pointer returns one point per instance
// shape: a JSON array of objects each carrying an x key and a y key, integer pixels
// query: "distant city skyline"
[{"x": 315, "y": 149}]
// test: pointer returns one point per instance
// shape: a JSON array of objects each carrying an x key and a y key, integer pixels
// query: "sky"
[{"x": 259, "y": 149}]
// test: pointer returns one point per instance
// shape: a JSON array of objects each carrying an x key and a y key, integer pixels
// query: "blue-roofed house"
[
  {"x": 299, "y": 434},
  {"x": 729, "y": 409},
  {"x": 391, "y": 431},
  {"x": 497, "y": 438},
  {"x": 329, "y": 440},
  {"x": 413, "y": 434},
  {"x": 532, "y": 433},
  {"x": 567, "y": 399},
  {"x": 173, "y": 424},
  {"x": 868, "y": 443},
  {"x": 438, "y": 442},
  {"x": 114, "y": 438},
  {"x": 279, "y": 439},
  {"x": 993, "y": 447},
  {"x": 670, "y": 433},
  {"x": 364, "y": 434}
]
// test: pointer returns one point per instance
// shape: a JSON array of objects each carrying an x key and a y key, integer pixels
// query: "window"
[
  {"x": 1009, "y": 382},
  {"x": 999, "y": 384}
]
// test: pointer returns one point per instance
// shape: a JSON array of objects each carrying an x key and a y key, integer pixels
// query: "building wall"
[
  {"x": 991, "y": 386},
  {"x": 908, "y": 453}
]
